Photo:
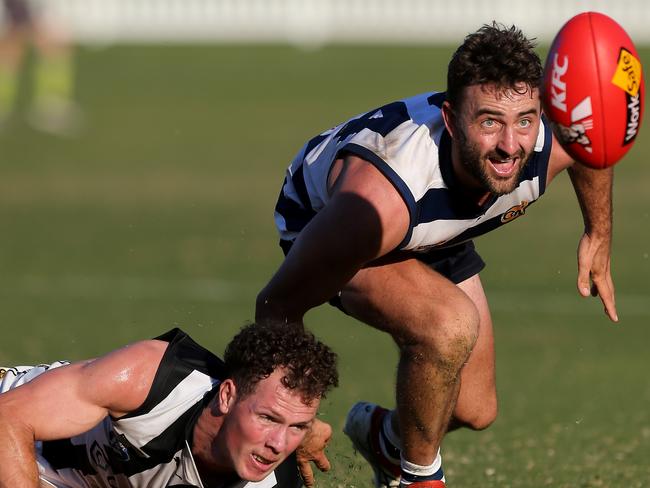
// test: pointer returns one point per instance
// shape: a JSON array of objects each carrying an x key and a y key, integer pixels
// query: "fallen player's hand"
[{"x": 312, "y": 449}]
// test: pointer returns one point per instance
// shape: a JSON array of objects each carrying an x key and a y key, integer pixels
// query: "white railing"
[{"x": 324, "y": 21}]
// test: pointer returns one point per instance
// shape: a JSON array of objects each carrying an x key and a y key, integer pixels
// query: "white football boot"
[{"x": 362, "y": 426}]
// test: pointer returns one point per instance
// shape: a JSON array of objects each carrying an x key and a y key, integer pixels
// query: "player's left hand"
[
  {"x": 312, "y": 449},
  {"x": 594, "y": 276}
]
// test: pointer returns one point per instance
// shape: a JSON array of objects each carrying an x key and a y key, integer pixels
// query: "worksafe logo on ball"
[
  {"x": 628, "y": 73},
  {"x": 628, "y": 78},
  {"x": 580, "y": 114}
]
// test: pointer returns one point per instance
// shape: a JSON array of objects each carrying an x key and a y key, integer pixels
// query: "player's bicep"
[
  {"x": 365, "y": 218},
  {"x": 126, "y": 375},
  {"x": 52, "y": 406},
  {"x": 72, "y": 399}
]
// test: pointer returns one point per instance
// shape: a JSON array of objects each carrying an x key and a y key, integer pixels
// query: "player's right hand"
[
  {"x": 312, "y": 449},
  {"x": 594, "y": 275}
]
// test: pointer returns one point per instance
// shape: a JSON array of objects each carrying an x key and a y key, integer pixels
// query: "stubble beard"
[{"x": 476, "y": 163}]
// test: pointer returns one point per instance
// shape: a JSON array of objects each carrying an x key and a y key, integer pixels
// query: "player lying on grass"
[
  {"x": 379, "y": 213},
  {"x": 167, "y": 412}
]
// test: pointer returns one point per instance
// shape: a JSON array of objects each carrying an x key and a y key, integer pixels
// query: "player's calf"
[{"x": 478, "y": 415}]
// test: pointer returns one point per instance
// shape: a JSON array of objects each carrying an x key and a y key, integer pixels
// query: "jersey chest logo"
[{"x": 513, "y": 212}]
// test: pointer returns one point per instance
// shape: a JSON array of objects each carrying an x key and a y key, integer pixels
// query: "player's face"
[
  {"x": 495, "y": 133},
  {"x": 265, "y": 427}
]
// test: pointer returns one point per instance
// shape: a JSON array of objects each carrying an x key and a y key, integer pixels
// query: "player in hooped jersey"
[
  {"x": 378, "y": 214},
  {"x": 167, "y": 412}
]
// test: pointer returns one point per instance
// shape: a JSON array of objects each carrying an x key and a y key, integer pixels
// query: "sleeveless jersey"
[
  {"x": 151, "y": 446},
  {"x": 408, "y": 142}
]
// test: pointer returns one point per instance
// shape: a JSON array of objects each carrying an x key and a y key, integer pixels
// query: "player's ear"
[
  {"x": 227, "y": 395},
  {"x": 449, "y": 118}
]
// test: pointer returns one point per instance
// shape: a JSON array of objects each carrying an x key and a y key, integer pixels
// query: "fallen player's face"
[
  {"x": 265, "y": 427},
  {"x": 496, "y": 134}
]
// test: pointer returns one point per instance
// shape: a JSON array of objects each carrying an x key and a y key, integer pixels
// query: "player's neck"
[{"x": 205, "y": 432}]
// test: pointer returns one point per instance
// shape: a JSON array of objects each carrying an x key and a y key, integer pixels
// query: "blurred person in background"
[{"x": 52, "y": 108}]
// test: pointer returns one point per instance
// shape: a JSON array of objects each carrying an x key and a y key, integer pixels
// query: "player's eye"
[
  {"x": 489, "y": 123},
  {"x": 524, "y": 123}
]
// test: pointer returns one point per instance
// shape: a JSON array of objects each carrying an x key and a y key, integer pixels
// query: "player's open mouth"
[
  {"x": 504, "y": 166},
  {"x": 262, "y": 460}
]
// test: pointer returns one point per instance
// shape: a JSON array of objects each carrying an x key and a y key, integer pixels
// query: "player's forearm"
[
  {"x": 593, "y": 188},
  {"x": 309, "y": 276},
  {"x": 272, "y": 308},
  {"x": 17, "y": 456},
  {"x": 290, "y": 294}
]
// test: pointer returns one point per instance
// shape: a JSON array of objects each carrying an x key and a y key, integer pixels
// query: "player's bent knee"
[
  {"x": 456, "y": 332},
  {"x": 478, "y": 416},
  {"x": 483, "y": 418},
  {"x": 446, "y": 336}
]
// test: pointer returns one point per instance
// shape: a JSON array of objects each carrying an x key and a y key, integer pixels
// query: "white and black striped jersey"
[
  {"x": 408, "y": 142},
  {"x": 150, "y": 447}
]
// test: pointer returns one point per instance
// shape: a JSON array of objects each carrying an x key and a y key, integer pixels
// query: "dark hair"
[
  {"x": 259, "y": 349},
  {"x": 495, "y": 54}
]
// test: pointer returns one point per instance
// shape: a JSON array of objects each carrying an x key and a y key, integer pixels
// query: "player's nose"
[
  {"x": 277, "y": 440},
  {"x": 508, "y": 144}
]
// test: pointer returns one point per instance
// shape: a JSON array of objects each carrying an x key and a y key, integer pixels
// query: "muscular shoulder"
[
  {"x": 148, "y": 350},
  {"x": 141, "y": 355},
  {"x": 393, "y": 128},
  {"x": 125, "y": 375}
]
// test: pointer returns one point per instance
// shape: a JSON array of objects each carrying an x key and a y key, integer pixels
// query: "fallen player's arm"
[
  {"x": 70, "y": 400},
  {"x": 365, "y": 218}
]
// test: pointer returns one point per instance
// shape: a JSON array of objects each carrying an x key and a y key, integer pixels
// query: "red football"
[{"x": 593, "y": 89}]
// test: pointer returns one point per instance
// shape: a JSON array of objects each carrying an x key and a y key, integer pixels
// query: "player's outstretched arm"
[
  {"x": 593, "y": 188},
  {"x": 364, "y": 219},
  {"x": 70, "y": 400}
]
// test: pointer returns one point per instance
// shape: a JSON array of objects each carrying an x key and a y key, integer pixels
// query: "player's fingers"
[
  {"x": 306, "y": 474},
  {"x": 605, "y": 289},
  {"x": 322, "y": 462},
  {"x": 585, "y": 261},
  {"x": 611, "y": 310},
  {"x": 584, "y": 282}
]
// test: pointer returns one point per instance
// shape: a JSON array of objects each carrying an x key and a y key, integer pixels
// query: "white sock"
[{"x": 412, "y": 472}]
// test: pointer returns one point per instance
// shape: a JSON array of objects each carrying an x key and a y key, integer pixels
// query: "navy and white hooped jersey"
[
  {"x": 408, "y": 142},
  {"x": 151, "y": 446}
]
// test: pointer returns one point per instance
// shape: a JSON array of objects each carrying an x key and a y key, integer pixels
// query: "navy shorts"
[{"x": 456, "y": 263}]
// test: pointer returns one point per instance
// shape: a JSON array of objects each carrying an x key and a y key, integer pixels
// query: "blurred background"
[{"x": 142, "y": 148}]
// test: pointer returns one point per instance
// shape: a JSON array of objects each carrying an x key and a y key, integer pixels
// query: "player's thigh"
[
  {"x": 410, "y": 301},
  {"x": 477, "y": 401}
]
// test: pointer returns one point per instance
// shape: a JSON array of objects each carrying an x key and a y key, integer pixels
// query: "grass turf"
[{"x": 160, "y": 214}]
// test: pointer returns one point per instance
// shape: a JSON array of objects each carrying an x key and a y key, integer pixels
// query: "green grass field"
[{"x": 160, "y": 215}]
